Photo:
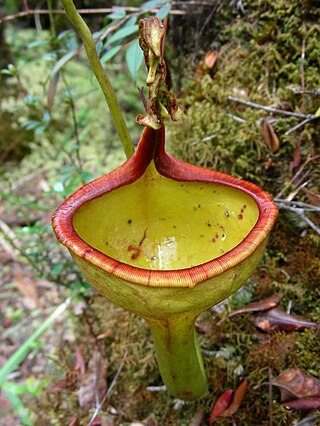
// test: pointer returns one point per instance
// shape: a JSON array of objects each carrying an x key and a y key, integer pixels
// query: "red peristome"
[{"x": 151, "y": 146}]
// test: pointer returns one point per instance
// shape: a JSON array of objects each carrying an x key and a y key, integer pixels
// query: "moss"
[{"x": 259, "y": 60}]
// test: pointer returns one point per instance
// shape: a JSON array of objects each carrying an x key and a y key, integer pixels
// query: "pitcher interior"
[{"x": 163, "y": 224}]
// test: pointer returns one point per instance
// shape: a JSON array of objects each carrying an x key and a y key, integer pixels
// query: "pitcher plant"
[{"x": 165, "y": 239}]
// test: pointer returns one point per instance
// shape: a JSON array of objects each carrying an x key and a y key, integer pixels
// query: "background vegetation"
[{"x": 56, "y": 135}]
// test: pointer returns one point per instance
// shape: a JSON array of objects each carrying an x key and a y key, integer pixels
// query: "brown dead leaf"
[
  {"x": 237, "y": 399},
  {"x": 74, "y": 421},
  {"x": 278, "y": 319},
  {"x": 79, "y": 364},
  {"x": 93, "y": 383},
  {"x": 296, "y": 157},
  {"x": 197, "y": 419},
  {"x": 270, "y": 137},
  {"x": 308, "y": 403},
  {"x": 296, "y": 383},
  {"x": 210, "y": 58},
  {"x": 262, "y": 305},
  {"x": 28, "y": 289}
]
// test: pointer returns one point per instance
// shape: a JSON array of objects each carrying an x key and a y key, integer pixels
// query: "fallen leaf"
[
  {"x": 79, "y": 363},
  {"x": 308, "y": 403},
  {"x": 296, "y": 157},
  {"x": 238, "y": 396},
  {"x": 220, "y": 406},
  {"x": 74, "y": 421},
  {"x": 262, "y": 305},
  {"x": 93, "y": 383},
  {"x": 296, "y": 383},
  {"x": 28, "y": 289},
  {"x": 210, "y": 58},
  {"x": 198, "y": 419},
  {"x": 278, "y": 319},
  {"x": 270, "y": 137}
]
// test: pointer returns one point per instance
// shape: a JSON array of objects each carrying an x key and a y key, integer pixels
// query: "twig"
[
  {"x": 79, "y": 165},
  {"x": 206, "y": 139},
  {"x": 307, "y": 421},
  {"x": 10, "y": 236},
  {"x": 308, "y": 160},
  {"x": 303, "y": 51},
  {"x": 193, "y": 2},
  {"x": 7, "y": 248},
  {"x": 236, "y": 118},
  {"x": 315, "y": 92},
  {"x": 101, "y": 75},
  {"x": 305, "y": 206},
  {"x": 162, "y": 388},
  {"x": 208, "y": 353},
  {"x": 302, "y": 123},
  {"x": 143, "y": 98},
  {"x": 97, "y": 11},
  {"x": 109, "y": 391},
  {"x": 12, "y": 239},
  {"x": 301, "y": 213},
  {"x": 270, "y": 395},
  {"x": 269, "y": 109},
  {"x": 299, "y": 186}
]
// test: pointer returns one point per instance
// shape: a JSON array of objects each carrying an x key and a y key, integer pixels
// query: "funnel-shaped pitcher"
[{"x": 167, "y": 240}]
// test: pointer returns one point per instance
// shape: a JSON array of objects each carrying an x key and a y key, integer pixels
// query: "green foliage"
[{"x": 134, "y": 58}]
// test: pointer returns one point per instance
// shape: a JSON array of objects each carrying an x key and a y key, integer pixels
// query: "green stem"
[
  {"x": 51, "y": 18},
  {"x": 179, "y": 358},
  {"x": 101, "y": 75}
]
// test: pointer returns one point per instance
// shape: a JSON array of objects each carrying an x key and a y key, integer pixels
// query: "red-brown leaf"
[
  {"x": 296, "y": 157},
  {"x": 220, "y": 406},
  {"x": 238, "y": 396},
  {"x": 74, "y": 421},
  {"x": 211, "y": 58},
  {"x": 308, "y": 403},
  {"x": 278, "y": 319},
  {"x": 262, "y": 305},
  {"x": 270, "y": 137},
  {"x": 296, "y": 383}
]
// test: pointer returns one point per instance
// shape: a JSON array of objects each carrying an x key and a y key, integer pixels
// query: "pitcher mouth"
[{"x": 151, "y": 149}]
